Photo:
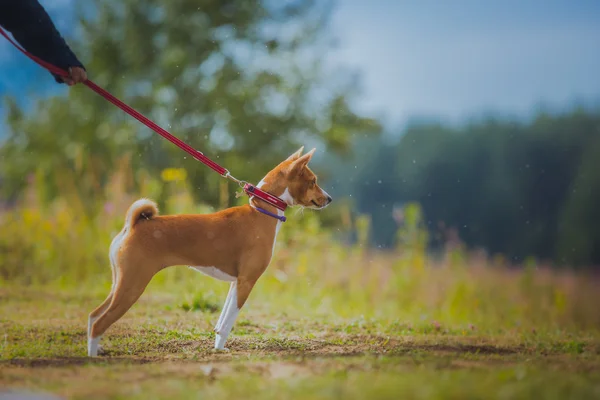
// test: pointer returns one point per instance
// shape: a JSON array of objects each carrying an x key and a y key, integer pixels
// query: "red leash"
[{"x": 249, "y": 189}]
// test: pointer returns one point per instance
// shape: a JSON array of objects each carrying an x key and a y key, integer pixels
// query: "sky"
[
  {"x": 455, "y": 59},
  {"x": 443, "y": 59}
]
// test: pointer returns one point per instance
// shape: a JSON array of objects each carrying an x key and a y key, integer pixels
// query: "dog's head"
[{"x": 297, "y": 183}]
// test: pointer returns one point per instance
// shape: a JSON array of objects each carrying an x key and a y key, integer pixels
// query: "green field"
[
  {"x": 159, "y": 350},
  {"x": 316, "y": 329},
  {"x": 326, "y": 320}
]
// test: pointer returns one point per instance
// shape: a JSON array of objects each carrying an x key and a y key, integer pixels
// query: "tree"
[
  {"x": 579, "y": 242},
  {"x": 242, "y": 81}
]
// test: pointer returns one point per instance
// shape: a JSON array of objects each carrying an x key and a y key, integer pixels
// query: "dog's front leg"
[
  {"x": 239, "y": 292},
  {"x": 219, "y": 324},
  {"x": 227, "y": 318}
]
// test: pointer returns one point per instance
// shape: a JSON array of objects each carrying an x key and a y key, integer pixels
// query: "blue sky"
[
  {"x": 448, "y": 59},
  {"x": 457, "y": 58}
]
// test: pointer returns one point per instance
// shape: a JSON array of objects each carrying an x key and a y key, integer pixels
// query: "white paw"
[
  {"x": 93, "y": 346},
  {"x": 222, "y": 349}
]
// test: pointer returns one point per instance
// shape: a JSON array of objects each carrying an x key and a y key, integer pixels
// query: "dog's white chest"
[{"x": 216, "y": 273}]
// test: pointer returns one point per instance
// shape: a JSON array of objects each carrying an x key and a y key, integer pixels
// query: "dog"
[{"x": 233, "y": 245}]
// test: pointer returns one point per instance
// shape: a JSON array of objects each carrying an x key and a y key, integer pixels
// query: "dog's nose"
[{"x": 329, "y": 199}]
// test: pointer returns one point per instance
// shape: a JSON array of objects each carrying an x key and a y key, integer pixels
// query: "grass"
[
  {"x": 159, "y": 350},
  {"x": 326, "y": 320}
]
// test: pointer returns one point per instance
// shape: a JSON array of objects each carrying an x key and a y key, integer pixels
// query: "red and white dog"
[{"x": 234, "y": 245}]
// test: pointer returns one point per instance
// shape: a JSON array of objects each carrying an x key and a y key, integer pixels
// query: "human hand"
[{"x": 76, "y": 75}]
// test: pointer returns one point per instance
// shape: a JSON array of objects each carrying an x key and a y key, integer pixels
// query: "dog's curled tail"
[{"x": 140, "y": 209}]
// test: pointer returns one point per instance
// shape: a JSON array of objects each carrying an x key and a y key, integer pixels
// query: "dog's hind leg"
[
  {"x": 115, "y": 246},
  {"x": 94, "y": 315},
  {"x": 103, "y": 306},
  {"x": 128, "y": 289}
]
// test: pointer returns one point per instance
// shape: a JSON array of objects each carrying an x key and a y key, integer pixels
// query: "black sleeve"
[{"x": 32, "y": 27}]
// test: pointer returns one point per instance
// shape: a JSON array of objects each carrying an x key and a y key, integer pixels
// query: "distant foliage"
[{"x": 518, "y": 189}]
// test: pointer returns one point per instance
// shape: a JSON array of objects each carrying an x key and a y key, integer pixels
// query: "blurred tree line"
[{"x": 518, "y": 189}]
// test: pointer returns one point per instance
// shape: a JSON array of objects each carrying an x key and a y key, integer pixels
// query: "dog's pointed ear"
[
  {"x": 298, "y": 165},
  {"x": 296, "y": 155}
]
